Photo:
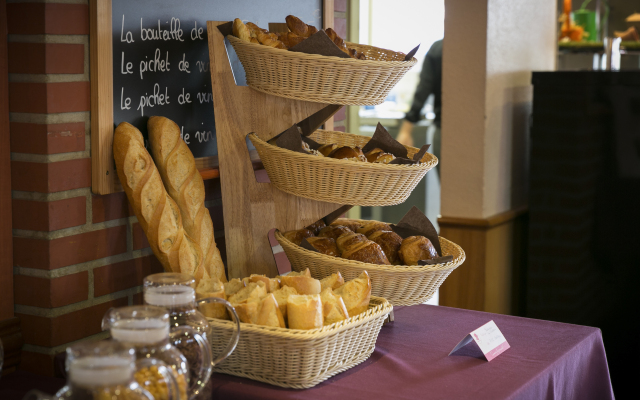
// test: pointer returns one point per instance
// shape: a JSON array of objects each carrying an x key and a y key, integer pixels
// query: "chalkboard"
[{"x": 161, "y": 59}]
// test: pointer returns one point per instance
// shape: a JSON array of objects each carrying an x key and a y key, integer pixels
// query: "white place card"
[{"x": 488, "y": 338}]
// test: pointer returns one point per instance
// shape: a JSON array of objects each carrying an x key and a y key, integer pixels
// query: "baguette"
[
  {"x": 333, "y": 308},
  {"x": 282, "y": 296},
  {"x": 212, "y": 287},
  {"x": 270, "y": 314},
  {"x": 356, "y": 294},
  {"x": 303, "y": 284},
  {"x": 304, "y": 311},
  {"x": 233, "y": 286},
  {"x": 272, "y": 284},
  {"x": 332, "y": 281},
  {"x": 158, "y": 215},
  {"x": 184, "y": 184}
]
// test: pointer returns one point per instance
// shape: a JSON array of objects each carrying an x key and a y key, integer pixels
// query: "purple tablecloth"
[{"x": 547, "y": 360}]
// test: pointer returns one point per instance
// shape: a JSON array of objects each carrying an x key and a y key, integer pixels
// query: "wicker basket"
[
  {"x": 296, "y": 358},
  {"x": 401, "y": 285},
  {"x": 341, "y": 181},
  {"x": 322, "y": 79}
]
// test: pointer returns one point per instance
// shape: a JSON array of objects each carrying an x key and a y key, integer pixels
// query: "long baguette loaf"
[
  {"x": 157, "y": 213},
  {"x": 184, "y": 184}
]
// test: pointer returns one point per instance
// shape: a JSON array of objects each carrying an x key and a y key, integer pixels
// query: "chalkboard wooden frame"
[{"x": 104, "y": 179}]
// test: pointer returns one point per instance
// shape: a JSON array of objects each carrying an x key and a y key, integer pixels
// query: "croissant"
[
  {"x": 416, "y": 248},
  {"x": 270, "y": 39},
  {"x": 255, "y": 29},
  {"x": 349, "y": 153},
  {"x": 290, "y": 39},
  {"x": 349, "y": 223},
  {"x": 366, "y": 251},
  {"x": 297, "y": 236},
  {"x": 324, "y": 245},
  {"x": 372, "y": 226},
  {"x": 337, "y": 40},
  {"x": 240, "y": 30},
  {"x": 390, "y": 243},
  {"x": 345, "y": 241},
  {"x": 298, "y": 27},
  {"x": 316, "y": 226},
  {"x": 334, "y": 231}
]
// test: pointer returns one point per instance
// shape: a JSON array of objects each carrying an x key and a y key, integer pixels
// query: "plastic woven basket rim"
[
  {"x": 294, "y": 55},
  {"x": 395, "y": 269},
  {"x": 378, "y": 306},
  {"x": 431, "y": 162}
]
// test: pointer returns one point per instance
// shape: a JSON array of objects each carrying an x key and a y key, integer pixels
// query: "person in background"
[{"x": 430, "y": 83}]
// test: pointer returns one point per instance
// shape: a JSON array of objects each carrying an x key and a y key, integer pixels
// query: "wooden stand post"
[{"x": 250, "y": 208}]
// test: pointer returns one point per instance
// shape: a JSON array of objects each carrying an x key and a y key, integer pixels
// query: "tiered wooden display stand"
[{"x": 252, "y": 209}]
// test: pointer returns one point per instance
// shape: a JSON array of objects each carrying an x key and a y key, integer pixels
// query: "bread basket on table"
[
  {"x": 322, "y": 79},
  {"x": 341, "y": 181},
  {"x": 296, "y": 358},
  {"x": 402, "y": 285}
]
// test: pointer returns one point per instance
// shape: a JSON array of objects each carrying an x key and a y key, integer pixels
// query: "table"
[{"x": 547, "y": 360}]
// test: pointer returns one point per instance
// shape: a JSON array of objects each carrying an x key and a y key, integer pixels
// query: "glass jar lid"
[
  {"x": 137, "y": 324},
  {"x": 169, "y": 289},
  {"x": 103, "y": 363}
]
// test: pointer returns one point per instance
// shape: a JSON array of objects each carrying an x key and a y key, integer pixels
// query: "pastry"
[
  {"x": 367, "y": 252},
  {"x": 356, "y": 294},
  {"x": 390, "y": 243},
  {"x": 334, "y": 231},
  {"x": 316, "y": 226},
  {"x": 270, "y": 39},
  {"x": 158, "y": 214},
  {"x": 332, "y": 281},
  {"x": 184, "y": 184},
  {"x": 349, "y": 153},
  {"x": 297, "y": 236},
  {"x": 324, "y": 245},
  {"x": 372, "y": 226},
  {"x": 298, "y": 27},
  {"x": 326, "y": 149},
  {"x": 348, "y": 240},
  {"x": 416, "y": 248},
  {"x": 333, "y": 307},
  {"x": 304, "y": 311},
  {"x": 349, "y": 223},
  {"x": 377, "y": 155},
  {"x": 240, "y": 30}
]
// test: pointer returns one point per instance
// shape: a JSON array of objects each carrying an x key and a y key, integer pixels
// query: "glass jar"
[
  {"x": 146, "y": 329},
  {"x": 105, "y": 371},
  {"x": 176, "y": 293}
]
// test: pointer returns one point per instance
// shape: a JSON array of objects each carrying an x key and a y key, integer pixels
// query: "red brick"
[
  {"x": 110, "y": 206},
  {"x": 51, "y": 177},
  {"x": 124, "y": 275},
  {"x": 51, "y": 18},
  {"x": 49, "y": 332},
  {"x": 340, "y": 26},
  {"x": 69, "y": 250},
  {"x": 341, "y": 115},
  {"x": 48, "y": 98},
  {"x": 46, "y": 58},
  {"x": 217, "y": 217},
  {"x": 340, "y": 5},
  {"x": 36, "y": 363},
  {"x": 50, "y": 293},
  {"x": 139, "y": 238},
  {"x": 47, "y": 139},
  {"x": 48, "y": 216}
]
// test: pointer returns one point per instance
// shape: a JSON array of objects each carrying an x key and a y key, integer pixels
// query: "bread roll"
[
  {"x": 272, "y": 284},
  {"x": 326, "y": 149},
  {"x": 240, "y": 30},
  {"x": 316, "y": 226},
  {"x": 281, "y": 296},
  {"x": 297, "y": 236},
  {"x": 270, "y": 314},
  {"x": 185, "y": 186},
  {"x": 367, "y": 252},
  {"x": 302, "y": 284},
  {"x": 158, "y": 215},
  {"x": 212, "y": 287},
  {"x": 356, "y": 294},
  {"x": 233, "y": 286},
  {"x": 324, "y": 245},
  {"x": 389, "y": 242},
  {"x": 304, "y": 311},
  {"x": 349, "y": 223},
  {"x": 334, "y": 231},
  {"x": 349, "y": 153},
  {"x": 416, "y": 248},
  {"x": 333, "y": 307},
  {"x": 332, "y": 281},
  {"x": 348, "y": 240},
  {"x": 372, "y": 226}
]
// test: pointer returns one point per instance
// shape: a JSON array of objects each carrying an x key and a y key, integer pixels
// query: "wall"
[{"x": 76, "y": 254}]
